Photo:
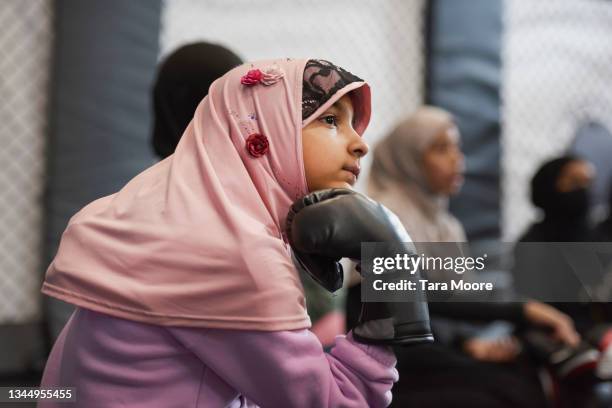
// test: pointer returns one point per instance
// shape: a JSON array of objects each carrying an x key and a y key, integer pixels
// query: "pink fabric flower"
[
  {"x": 253, "y": 77},
  {"x": 272, "y": 75},
  {"x": 269, "y": 76},
  {"x": 257, "y": 145}
]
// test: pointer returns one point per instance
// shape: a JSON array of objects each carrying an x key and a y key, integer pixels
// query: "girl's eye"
[{"x": 330, "y": 120}]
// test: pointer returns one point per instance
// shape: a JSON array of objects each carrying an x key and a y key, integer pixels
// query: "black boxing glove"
[{"x": 328, "y": 225}]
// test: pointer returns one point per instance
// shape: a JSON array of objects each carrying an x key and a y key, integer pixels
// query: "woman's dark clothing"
[
  {"x": 442, "y": 375},
  {"x": 565, "y": 220},
  {"x": 603, "y": 231},
  {"x": 438, "y": 376},
  {"x": 539, "y": 268}
]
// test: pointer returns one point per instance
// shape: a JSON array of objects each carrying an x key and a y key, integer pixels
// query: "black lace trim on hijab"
[{"x": 322, "y": 80}]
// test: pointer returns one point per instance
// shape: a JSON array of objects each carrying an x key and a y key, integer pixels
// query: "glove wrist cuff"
[{"x": 380, "y": 353}]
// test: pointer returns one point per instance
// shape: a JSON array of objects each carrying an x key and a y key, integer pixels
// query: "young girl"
[
  {"x": 185, "y": 289},
  {"x": 182, "y": 81}
]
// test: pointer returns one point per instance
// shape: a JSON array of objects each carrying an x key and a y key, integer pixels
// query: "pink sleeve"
[{"x": 290, "y": 368}]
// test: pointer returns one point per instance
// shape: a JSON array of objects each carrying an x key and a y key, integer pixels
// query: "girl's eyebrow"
[
  {"x": 339, "y": 106},
  {"x": 336, "y": 106}
]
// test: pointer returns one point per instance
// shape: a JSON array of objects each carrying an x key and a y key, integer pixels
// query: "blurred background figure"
[
  {"x": 560, "y": 188},
  {"x": 414, "y": 172},
  {"x": 182, "y": 81}
]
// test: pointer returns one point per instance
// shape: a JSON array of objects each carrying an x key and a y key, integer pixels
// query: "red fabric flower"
[
  {"x": 253, "y": 77},
  {"x": 257, "y": 145}
]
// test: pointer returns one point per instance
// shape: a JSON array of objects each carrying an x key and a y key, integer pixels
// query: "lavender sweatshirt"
[{"x": 120, "y": 363}]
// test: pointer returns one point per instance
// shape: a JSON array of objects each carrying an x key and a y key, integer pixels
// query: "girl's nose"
[{"x": 358, "y": 147}]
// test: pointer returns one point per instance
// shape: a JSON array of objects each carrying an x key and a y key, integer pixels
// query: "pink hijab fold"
[{"x": 196, "y": 240}]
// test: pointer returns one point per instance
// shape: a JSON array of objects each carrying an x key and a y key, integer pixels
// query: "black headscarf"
[
  {"x": 565, "y": 213},
  {"x": 182, "y": 82}
]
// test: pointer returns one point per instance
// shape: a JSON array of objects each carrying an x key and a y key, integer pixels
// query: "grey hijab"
[{"x": 397, "y": 179}]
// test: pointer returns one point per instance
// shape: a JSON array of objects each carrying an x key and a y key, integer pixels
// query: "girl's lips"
[{"x": 353, "y": 169}]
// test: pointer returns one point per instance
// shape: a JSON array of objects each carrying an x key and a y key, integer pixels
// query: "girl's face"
[
  {"x": 443, "y": 163},
  {"x": 332, "y": 148}
]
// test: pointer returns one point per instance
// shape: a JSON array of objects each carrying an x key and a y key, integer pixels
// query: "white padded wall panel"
[{"x": 25, "y": 44}]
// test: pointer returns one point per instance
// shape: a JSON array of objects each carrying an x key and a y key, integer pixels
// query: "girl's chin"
[{"x": 340, "y": 184}]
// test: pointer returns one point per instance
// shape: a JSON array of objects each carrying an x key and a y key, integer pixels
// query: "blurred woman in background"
[{"x": 560, "y": 189}]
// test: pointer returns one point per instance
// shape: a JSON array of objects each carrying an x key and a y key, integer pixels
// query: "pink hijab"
[{"x": 196, "y": 240}]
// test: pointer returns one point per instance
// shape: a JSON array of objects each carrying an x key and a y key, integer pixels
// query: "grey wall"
[{"x": 105, "y": 58}]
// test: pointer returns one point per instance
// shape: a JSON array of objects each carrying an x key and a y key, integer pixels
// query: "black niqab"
[{"x": 565, "y": 213}]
